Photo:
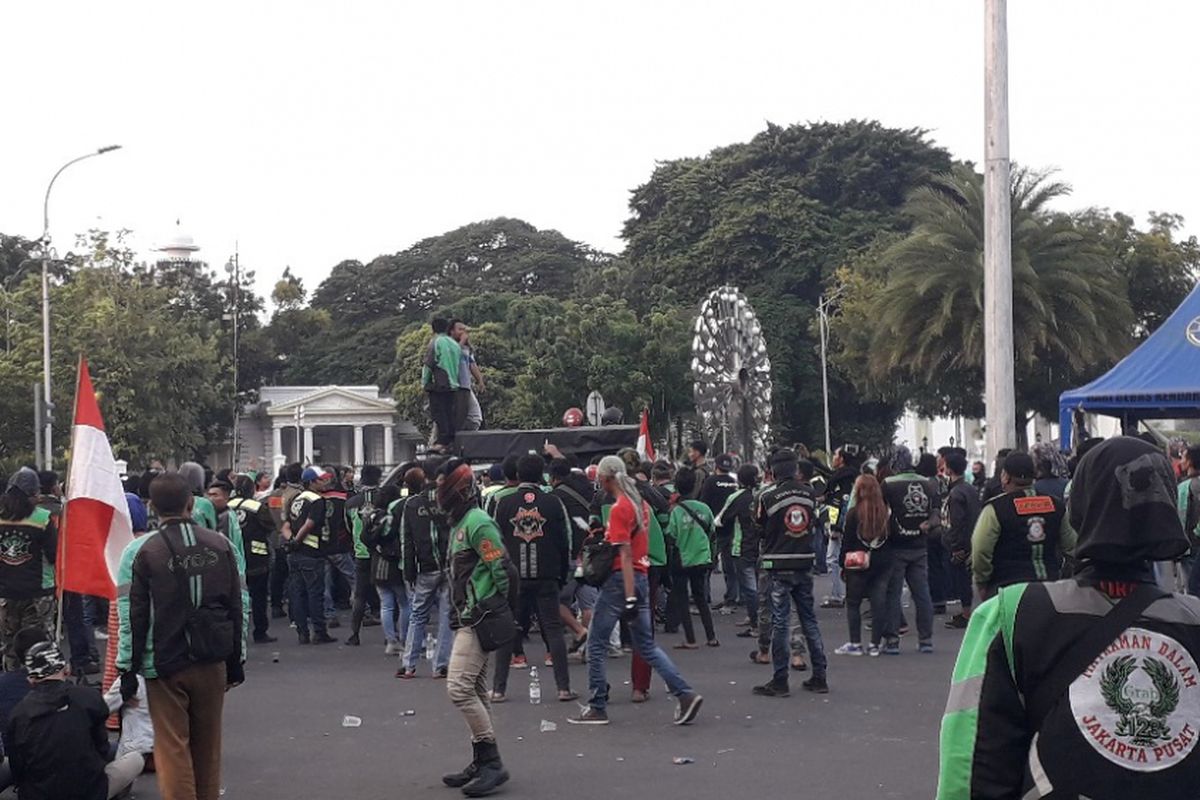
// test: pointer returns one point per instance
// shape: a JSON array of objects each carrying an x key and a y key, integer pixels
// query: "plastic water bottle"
[
  {"x": 535, "y": 687},
  {"x": 430, "y": 647}
]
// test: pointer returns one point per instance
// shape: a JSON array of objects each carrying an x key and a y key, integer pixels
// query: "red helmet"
[
  {"x": 572, "y": 418},
  {"x": 591, "y": 472},
  {"x": 456, "y": 489}
]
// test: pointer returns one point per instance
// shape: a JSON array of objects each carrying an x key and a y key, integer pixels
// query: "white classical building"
[{"x": 352, "y": 425}]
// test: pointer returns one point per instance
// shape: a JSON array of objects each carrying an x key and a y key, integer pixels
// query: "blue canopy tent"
[{"x": 1158, "y": 380}]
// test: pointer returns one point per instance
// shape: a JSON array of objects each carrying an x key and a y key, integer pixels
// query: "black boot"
[
  {"x": 492, "y": 774},
  {"x": 456, "y": 780}
]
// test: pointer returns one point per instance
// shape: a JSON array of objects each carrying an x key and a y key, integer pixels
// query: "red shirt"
[{"x": 623, "y": 529}]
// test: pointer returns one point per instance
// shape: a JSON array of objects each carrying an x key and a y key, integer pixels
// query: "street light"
[
  {"x": 233, "y": 268},
  {"x": 48, "y": 456},
  {"x": 823, "y": 314}
]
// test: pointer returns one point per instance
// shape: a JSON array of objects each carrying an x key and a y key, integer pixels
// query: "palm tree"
[{"x": 1070, "y": 310}]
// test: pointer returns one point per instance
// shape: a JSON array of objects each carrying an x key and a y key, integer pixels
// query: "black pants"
[
  {"x": 960, "y": 582},
  {"x": 872, "y": 585},
  {"x": 259, "y": 586},
  {"x": 279, "y": 577},
  {"x": 441, "y": 409},
  {"x": 694, "y": 578},
  {"x": 363, "y": 590},
  {"x": 541, "y": 596},
  {"x": 939, "y": 571}
]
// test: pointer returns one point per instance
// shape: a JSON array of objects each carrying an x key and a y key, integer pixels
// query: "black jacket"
[
  {"x": 258, "y": 531},
  {"x": 535, "y": 529},
  {"x": 714, "y": 493},
  {"x": 424, "y": 536},
  {"x": 58, "y": 744},
  {"x": 838, "y": 489},
  {"x": 787, "y": 513},
  {"x": 576, "y": 494},
  {"x": 960, "y": 511}
]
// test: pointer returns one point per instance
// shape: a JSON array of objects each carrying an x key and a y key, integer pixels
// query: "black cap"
[
  {"x": 724, "y": 462},
  {"x": 1019, "y": 466}
]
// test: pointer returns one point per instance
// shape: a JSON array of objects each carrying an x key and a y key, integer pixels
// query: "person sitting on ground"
[{"x": 58, "y": 739}]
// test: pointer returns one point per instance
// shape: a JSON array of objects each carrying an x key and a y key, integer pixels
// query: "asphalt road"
[{"x": 874, "y": 735}]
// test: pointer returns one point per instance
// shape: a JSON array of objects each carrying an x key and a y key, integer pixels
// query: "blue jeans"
[
  {"x": 609, "y": 606},
  {"x": 431, "y": 588},
  {"x": 786, "y": 588},
  {"x": 748, "y": 587},
  {"x": 911, "y": 564},
  {"x": 343, "y": 563},
  {"x": 819, "y": 539},
  {"x": 393, "y": 603},
  {"x": 308, "y": 592},
  {"x": 833, "y": 560}
]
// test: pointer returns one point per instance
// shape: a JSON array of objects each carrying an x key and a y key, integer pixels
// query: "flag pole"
[{"x": 60, "y": 566}]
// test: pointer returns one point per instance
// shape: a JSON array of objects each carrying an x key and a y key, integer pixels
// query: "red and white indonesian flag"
[
  {"x": 644, "y": 448},
  {"x": 96, "y": 522}
]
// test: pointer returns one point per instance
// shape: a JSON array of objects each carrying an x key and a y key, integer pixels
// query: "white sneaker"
[
  {"x": 849, "y": 649},
  {"x": 873, "y": 650},
  {"x": 392, "y": 649}
]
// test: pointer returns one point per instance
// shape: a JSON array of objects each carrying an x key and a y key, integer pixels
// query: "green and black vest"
[{"x": 1028, "y": 547}]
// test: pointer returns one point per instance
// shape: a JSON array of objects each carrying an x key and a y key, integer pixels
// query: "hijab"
[{"x": 1123, "y": 505}]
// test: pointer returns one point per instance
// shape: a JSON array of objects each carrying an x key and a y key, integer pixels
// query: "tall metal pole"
[
  {"x": 234, "y": 293},
  {"x": 47, "y": 457},
  {"x": 999, "y": 381},
  {"x": 822, "y": 309}
]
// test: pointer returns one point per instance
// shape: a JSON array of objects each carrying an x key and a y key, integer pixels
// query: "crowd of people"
[{"x": 459, "y": 568}]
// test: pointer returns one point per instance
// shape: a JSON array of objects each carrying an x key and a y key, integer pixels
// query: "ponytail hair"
[{"x": 613, "y": 467}]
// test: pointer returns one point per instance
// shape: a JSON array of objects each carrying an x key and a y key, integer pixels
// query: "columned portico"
[{"x": 339, "y": 425}]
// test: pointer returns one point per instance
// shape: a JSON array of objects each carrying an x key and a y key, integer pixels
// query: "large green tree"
[
  {"x": 158, "y": 339},
  {"x": 911, "y": 325},
  {"x": 370, "y": 305},
  {"x": 777, "y": 216}
]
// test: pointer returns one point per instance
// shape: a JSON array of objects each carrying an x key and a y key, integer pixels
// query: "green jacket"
[
  {"x": 479, "y": 566},
  {"x": 204, "y": 513},
  {"x": 445, "y": 357},
  {"x": 689, "y": 536}
]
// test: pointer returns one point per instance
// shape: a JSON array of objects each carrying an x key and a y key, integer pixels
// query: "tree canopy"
[{"x": 777, "y": 216}]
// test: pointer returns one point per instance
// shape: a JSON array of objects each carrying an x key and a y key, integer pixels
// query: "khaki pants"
[
  {"x": 35, "y": 612},
  {"x": 467, "y": 684},
  {"x": 123, "y": 771},
  {"x": 186, "y": 711}
]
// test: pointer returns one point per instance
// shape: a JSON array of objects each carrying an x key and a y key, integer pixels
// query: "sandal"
[
  {"x": 567, "y": 696},
  {"x": 799, "y": 664},
  {"x": 686, "y": 646},
  {"x": 713, "y": 643},
  {"x": 639, "y": 696},
  {"x": 758, "y": 657}
]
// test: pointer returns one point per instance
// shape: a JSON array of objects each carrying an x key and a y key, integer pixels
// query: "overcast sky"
[{"x": 312, "y": 132}]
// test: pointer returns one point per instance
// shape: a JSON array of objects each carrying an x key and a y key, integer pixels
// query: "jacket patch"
[
  {"x": 528, "y": 524},
  {"x": 797, "y": 520},
  {"x": 1138, "y": 704},
  {"x": 488, "y": 551},
  {"x": 1038, "y": 504}
]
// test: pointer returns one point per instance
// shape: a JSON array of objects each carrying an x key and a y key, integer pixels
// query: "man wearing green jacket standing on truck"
[
  {"x": 483, "y": 582},
  {"x": 439, "y": 379}
]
